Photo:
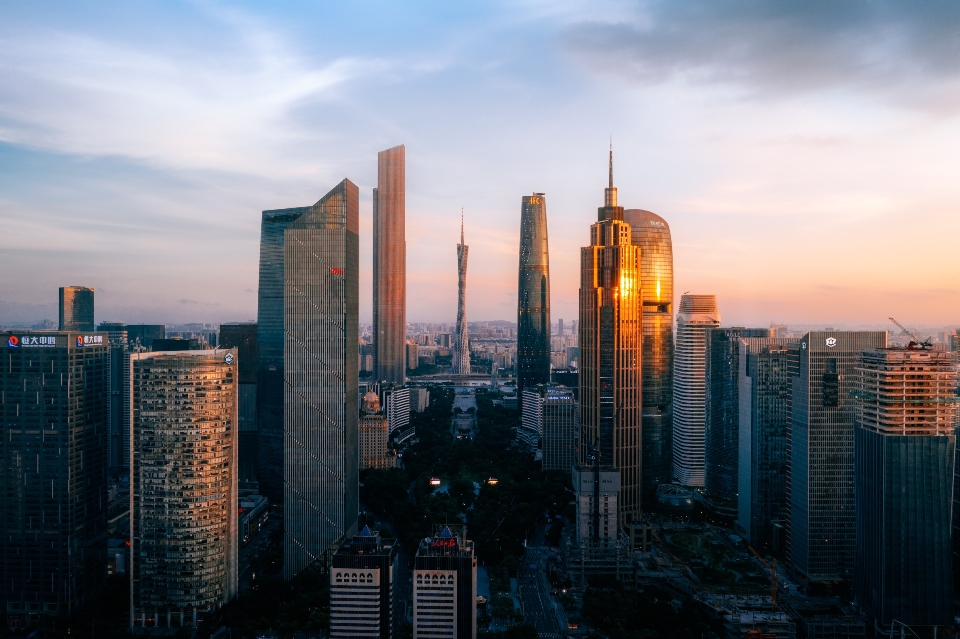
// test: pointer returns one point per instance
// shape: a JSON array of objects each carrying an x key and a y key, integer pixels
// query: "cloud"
[{"x": 908, "y": 52}]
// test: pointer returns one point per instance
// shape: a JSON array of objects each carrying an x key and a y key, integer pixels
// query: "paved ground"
[{"x": 534, "y": 591}]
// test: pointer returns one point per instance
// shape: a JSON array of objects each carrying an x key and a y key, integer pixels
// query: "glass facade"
[
  {"x": 243, "y": 337},
  {"x": 561, "y": 425},
  {"x": 76, "y": 308},
  {"x": 54, "y": 401},
  {"x": 461, "y": 348},
  {"x": 651, "y": 233},
  {"x": 390, "y": 266},
  {"x": 270, "y": 351},
  {"x": 533, "y": 295},
  {"x": 321, "y": 385}
]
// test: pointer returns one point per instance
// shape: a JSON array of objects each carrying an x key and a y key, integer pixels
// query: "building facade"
[
  {"x": 321, "y": 341},
  {"x": 461, "y": 347},
  {"x": 243, "y": 337},
  {"x": 270, "y": 389},
  {"x": 76, "y": 308},
  {"x": 141, "y": 336},
  {"x": 118, "y": 459},
  {"x": 561, "y": 429},
  {"x": 374, "y": 435},
  {"x": 610, "y": 351},
  {"x": 651, "y": 233},
  {"x": 445, "y": 587},
  {"x": 54, "y": 398},
  {"x": 820, "y": 480},
  {"x": 533, "y": 295},
  {"x": 183, "y": 485},
  {"x": 698, "y": 314},
  {"x": 390, "y": 266},
  {"x": 361, "y": 587},
  {"x": 905, "y": 442}
]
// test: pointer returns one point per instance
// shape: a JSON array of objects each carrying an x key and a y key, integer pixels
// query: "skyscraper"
[
  {"x": 533, "y": 295},
  {"x": 183, "y": 485},
  {"x": 461, "y": 349},
  {"x": 119, "y": 455},
  {"x": 76, "y": 308},
  {"x": 610, "y": 351},
  {"x": 651, "y": 233},
  {"x": 445, "y": 586},
  {"x": 53, "y": 473},
  {"x": 698, "y": 313},
  {"x": 374, "y": 435},
  {"x": 905, "y": 443},
  {"x": 243, "y": 337},
  {"x": 390, "y": 266},
  {"x": 561, "y": 426},
  {"x": 821, "y": 523},
  {"x": 321, "y": 341},
  {"x": 361, "y": 587},
  {"x": 270, "y": 351}
]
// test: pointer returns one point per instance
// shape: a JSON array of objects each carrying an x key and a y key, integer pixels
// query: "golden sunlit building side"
[
  {"x": 183, "y": 485},
  {"x": 390, "y": 266},
  {"x": 610, "y": 352}
]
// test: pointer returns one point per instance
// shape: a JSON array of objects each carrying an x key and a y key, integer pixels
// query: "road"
[
  {"x": 534, "y": 591},
  {"x": 255, "y": 548}
]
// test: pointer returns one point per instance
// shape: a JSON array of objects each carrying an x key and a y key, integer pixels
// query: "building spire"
[
  {"x": 610, "y": 193},
  {"x": 461, "y": 226},
  {"x": 611, "y": 162}
]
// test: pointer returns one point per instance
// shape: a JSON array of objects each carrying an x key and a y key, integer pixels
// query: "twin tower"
[{"x": 626, "y": 341}]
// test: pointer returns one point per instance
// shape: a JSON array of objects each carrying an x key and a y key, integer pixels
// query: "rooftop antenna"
[
  {"x": 461, "y": 226},
  {"x": 611, "y": 161}
]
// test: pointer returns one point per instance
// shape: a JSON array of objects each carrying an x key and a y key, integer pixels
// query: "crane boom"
[{"x": 773, "y": 576}]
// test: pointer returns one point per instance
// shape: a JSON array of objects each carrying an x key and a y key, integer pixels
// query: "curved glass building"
[
  {"x": 533, "y": 295},
  {"x": 651, "y": 233}
]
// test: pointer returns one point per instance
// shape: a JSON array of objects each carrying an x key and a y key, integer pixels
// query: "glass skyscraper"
[
  {"x": 533, "y": 295},
  {"x": 76, "y": 308},
  {"x": 651, "y": 233},
  {"x": 243, "y": 337},
  {"x": 821, "y": 523},
  {"x": 270, "y": 351},
  {"x": 610, "y": 351},
  {"x": 390, "y": 266},
  {"x": 321, "y": 385}
]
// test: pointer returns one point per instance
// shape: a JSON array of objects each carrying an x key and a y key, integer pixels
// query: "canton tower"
[{"x": 461, "y": 350}]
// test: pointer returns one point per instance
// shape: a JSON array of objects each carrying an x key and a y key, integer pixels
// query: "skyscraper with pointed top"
[
  {"x": 610, "y": 352},
  {"x": 461, "y": 349},
  {"x": 533, "y": 295}
]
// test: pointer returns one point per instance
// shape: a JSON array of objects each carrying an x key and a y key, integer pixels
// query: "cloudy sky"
[{"x": 804, "y": 153}]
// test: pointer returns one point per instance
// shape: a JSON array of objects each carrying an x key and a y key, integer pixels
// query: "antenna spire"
[
  {"x": 461, "y": 227},
  {"x": 611, "y": 162}
]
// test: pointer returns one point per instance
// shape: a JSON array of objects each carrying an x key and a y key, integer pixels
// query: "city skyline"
[{"x": 753, "y": 174}]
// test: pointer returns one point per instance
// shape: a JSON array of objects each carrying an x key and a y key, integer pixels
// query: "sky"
[{"x": 805, "y": 154}]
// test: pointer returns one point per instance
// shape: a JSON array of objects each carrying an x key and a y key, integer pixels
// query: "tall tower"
[
  {"x": 461, "y": 350},
  {"x": 651, "y": 233},
  {"x": 76, "y": 308},
  {"x": 533, "y": 295},
  {"x": 321, "y": 341},
  {"x": 698, "y": 314},
  {"x": 390, "y": 266},
  {"x": 610, "y": 351}
]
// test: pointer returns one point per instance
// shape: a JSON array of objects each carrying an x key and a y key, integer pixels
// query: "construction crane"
[
  {"x": 773, "y": 576},
  {"x": 915, "y": 342}
]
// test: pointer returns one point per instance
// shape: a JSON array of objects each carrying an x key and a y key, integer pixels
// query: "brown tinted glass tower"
[
  {"x": 76, "y": 308},
  {"x": 651, "y": 234},
  {"x": 533, "y": 293},
  {"x": 610, "y": 351},
  {"x": 390, "y": 265}
]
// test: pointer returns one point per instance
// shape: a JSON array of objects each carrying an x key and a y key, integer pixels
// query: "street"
[{"x": 534, "y": 591}]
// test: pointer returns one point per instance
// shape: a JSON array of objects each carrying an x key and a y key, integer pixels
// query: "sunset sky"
[{"x": 805, "y": 154}]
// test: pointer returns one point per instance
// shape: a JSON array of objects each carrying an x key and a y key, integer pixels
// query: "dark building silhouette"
[
  {"x": 243, "y": 337},
  {"x": 533, "y": 295},
  {"x": 53, "y": 473},
  {"x": 321, "y": 383},
  {"x": 76, "y": 308},
  {"x": 270, "y": 351},
  {"x": 362, "y": 597},
  {"x": 119, "y": 455},
  {"x": 390, "y": 266},
  {"x": 142, "y": 335}
]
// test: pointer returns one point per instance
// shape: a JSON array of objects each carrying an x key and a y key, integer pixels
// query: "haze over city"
[{"x": 803, "y": 153}]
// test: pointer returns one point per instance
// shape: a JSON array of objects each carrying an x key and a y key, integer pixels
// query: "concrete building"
[
  {"x": 321, "y": 341},
  {"x": 905, "y": 442},
  {"x": 533, "y": 295},
  {"x": 54, "y": 398},
  {"x": 374, "y": 435},
  {"x": 698, "y": 314},
  {"x": 561, "y": 429},
  {"x": 445, "y": 586},
  {"x": 420, "y": 399},
  {"x": 183, "y": 485},
  {"x": 820, "y": 479},
  {"x": 243, "y": 337},
  {"x": 461, "y": 346},
  {"x": 412, "y": 355},
  {"x": 76, "y": 309},
  {"x": 396, "y": 405},
  {"x": 390, "y": 266},
  {"x": 361, "y": 587}
]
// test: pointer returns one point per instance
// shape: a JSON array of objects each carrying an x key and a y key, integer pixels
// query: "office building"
[
  {"x": 721, "y": 438},
  {"x": 561, "y": 429},
  {"x": 610, "y": 351},
  {"x": 651, "y": 233},
  {"x": 243, "y": 337},
  {"x": 141, "y": 336},
  {"x": 698, "y": 314},
  {"x": 413, "y": 356},
  {"x": 54, "y": 397},
  {"x": 420, "y": 399},
  {"x": 905, "y": 442},
  {"x": 183, "y": 485},
  {"x": 374, "y": 435},
  {"x": 396, "y": 404},
  {"x": 764, "y": 416},
  {"x": 531, "y": 415},
  {"x": 361, "y": 587},
  {"x": 533, "y": 295},
  {"x": 76, "y": 308},
  {"x": 390, "y": 266},
  {"x": 821, "y": 530},
  {"x": 118, "y": 457},
  {"x": 461, "y": 346},
  {"x": 321, "y": 341},
  {"x": 270, "y": 387},
  {"x": 445, "y": 586},
  {"x": 168, "y": 344}
]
